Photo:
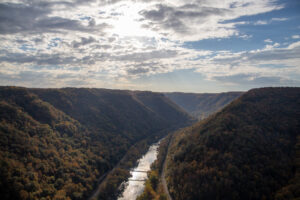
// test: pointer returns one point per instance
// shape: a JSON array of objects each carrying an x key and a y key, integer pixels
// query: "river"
[{"x": 135, "y": 188}]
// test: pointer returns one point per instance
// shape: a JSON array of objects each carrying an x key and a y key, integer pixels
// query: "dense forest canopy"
[
  {"x": 250, "y": 150},
  {"x": 202, "y": 105},
  {"x": 56, "y": 143}
]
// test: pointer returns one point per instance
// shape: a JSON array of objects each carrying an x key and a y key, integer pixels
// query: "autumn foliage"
[
  {"x": 57, "y": 143},
  {"x": 249, "y": 150}
]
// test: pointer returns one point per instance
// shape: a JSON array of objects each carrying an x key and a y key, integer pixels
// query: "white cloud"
[
  {"x": 246, "y": 37},
  {"x": 279, "y": 19},
  {"x": 296, "y": 37},
  {"x": 261, "y": 22},
  {"x": 196, "y": 21},
  {"x": 294, "y": 45},
  {"x": 281, "y": 62},
  {"x": 265, "y": 22},
  {"x": 268, "y": 40}
]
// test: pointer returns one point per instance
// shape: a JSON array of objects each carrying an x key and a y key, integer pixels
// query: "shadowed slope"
[
  {"x": 246, "y": 151},
  {"x": 55, "y": 143}
]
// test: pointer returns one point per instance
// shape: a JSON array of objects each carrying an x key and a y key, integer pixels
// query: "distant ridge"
[{"x": 201, "y": 105}]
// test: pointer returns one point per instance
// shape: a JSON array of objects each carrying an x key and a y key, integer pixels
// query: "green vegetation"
[
  {"x": 57, "y": 143},
  {"x": 249, "y": 150},
  {"x": 201, "y": 106}
]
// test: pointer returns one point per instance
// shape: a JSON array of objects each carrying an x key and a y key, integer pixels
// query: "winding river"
[{"x": 135, "y": 186}]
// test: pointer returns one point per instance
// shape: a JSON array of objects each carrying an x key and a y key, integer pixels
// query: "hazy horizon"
[{"x": 172, "y": 91}]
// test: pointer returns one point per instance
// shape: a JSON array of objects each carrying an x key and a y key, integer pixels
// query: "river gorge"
[{"x": 135, "y": 184}]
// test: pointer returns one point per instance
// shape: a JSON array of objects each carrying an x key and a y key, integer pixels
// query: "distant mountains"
[
  {"x": 202, "y": 105},
  {"x": 250, "y": 150},
  {"x": 56, "y": 143}
]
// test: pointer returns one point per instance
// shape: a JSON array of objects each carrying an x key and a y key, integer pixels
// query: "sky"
[{"x": 158, "y": 45}]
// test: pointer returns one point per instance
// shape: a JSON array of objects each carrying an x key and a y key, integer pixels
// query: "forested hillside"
[
  {"x": 249, "y": 150},
  {"x": 203, "y": 104},
  {"x": 56, "y": 143}
]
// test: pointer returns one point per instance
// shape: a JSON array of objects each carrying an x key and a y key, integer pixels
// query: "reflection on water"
[{"x": 135, "y": 188}]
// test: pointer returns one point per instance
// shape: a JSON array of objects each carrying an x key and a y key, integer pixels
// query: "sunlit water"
[{"x": 135, "y": 188}]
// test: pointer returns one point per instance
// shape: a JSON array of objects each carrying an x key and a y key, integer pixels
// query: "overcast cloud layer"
[{"x": 125, "y": 44}]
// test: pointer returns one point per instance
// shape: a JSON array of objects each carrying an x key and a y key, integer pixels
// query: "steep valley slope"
[
  {"x": 56, "y": 143},
  {"x": 249, "y": 150}
]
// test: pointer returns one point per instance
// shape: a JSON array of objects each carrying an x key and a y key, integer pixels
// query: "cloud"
[
  {"x": 180, "y": 21},
  {"x": 40, "y": 59},
  {"x": 34, "y": 19},
  {"x": 279, "y": 19},
  {"x": 271, "y": 54},
  {"x": 144, "y": 68},
  {"x": 264, "y": 22},
  {"x": 201, "y": 20},
  {"x": 268, "y": 40},
  {"x": 255, "y": 80},
  {"x": 274, "y": 54},
  {"x": 295, "y": 45},
  {"x": 296, "y": 37},
  {"x": 174, "y": 18},
  {"x": 83, "y": 41},
  {"x": 261, "y": 22},
  {"x": 271, "y": 66},
  {"x": 139, "y": 71},
  {"x": 31, "y": 78},
  {"x": 144, "y": 56},
  {"x": 105, "y": 46}
]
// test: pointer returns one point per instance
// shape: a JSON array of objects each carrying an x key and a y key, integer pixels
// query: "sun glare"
[{"x": 126, "y": 22}]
